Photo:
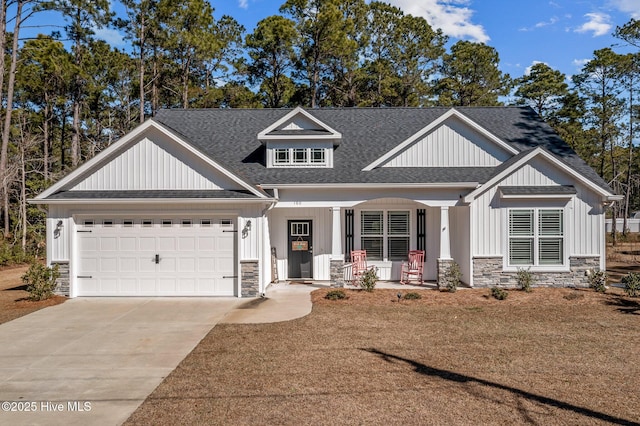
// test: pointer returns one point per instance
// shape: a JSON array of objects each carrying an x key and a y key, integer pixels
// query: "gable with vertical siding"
[
  {"x": 155, "y": 163},
  {"x": 451, "y": 144}
]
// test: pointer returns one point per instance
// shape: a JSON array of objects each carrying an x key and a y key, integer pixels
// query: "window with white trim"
[
  {"x": 536, "y": 237},
  {"x": 385, "y": 235},
  {"x": 299, "y": 157}
]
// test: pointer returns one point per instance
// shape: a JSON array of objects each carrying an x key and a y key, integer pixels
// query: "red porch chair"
[
  {"x": 412, "y": 269},
  {"x": 358, "y": 265}
]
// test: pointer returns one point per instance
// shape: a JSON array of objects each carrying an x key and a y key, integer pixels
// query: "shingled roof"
[{"x": 229, "y": 136}]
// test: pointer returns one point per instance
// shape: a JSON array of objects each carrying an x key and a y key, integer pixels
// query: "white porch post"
[
  {"x": 445, "y": 240},
  {"x": 336, "y": 235},
  {"x": 444, "y": 259},
  {"x": 337, "y": 257}
]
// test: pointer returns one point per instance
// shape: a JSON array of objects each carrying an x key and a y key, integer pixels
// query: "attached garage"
[{"x": 161, "y": 256}]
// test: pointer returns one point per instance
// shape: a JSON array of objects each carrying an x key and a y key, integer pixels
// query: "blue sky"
[{"x": 560, "y": 33}]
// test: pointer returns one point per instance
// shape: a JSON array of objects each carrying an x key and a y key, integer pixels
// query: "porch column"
[
  {"x": 444, "y": 259},
  {"x": 337, "y": 257},
  {"x": 445, "y": 241}
]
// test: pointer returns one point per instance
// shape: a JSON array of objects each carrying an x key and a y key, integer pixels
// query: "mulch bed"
[
  {"x": 14, "y": 299},
  {"x": 553, "y": 356}
]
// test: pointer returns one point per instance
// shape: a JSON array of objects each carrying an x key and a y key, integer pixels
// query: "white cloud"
[
  {"x": 527, "y": 71},
  {"x": 579, "y": 63},
  {"x": 542, "y": 24},
  {"x": 598, "y": 23},
  {"x": 451, "y": 16},
  {"x": 244, "y": 4},
  {"x": 111, "y": 36},
  {"x": 632, "y": 7}
]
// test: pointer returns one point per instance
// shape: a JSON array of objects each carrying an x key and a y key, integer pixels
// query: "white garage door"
[{"x": 172, "y": 256}]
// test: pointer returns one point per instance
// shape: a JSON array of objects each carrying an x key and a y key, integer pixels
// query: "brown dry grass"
[
  {"x": 553, "y": 356},
  {"x": 14, "y": 301}
]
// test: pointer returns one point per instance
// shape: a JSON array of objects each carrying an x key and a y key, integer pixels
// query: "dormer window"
[
  {"x": 298, "y": 157},
  {"x": 299, "y": 140}
]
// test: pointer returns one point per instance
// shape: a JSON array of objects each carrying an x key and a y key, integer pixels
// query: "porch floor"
[{"x": 380, "y": 284}]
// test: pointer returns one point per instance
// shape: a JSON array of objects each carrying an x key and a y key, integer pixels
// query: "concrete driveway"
[{"x": 94, "y": 361}]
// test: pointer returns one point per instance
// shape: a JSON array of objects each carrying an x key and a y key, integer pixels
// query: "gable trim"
[
  {"x": 128, "y": 139},
  {"x": 525, "y": 159},
  {"x": 433, "y": 125},
  {"x": 332, "y": 134}
]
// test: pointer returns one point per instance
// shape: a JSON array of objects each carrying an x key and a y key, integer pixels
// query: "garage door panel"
[
  {"x": 147, "y": 243},
  {"x": 129, "y": 286},
  {"x": 128, "y": 243},
  {"x": 128, "y": 265},
  {"x": 187, "y": 244},
  {"x": 146, "y": 264},
  {"x": 121, "y": 260},
  {"x": 167, "y": 244},
  {"x": 206, "y": 243},
  {"x": 187, "y": 265}
]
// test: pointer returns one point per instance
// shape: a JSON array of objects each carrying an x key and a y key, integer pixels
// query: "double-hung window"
[
  {"x": 385, "y": 234},
  {"x": 536, "y": 237}
]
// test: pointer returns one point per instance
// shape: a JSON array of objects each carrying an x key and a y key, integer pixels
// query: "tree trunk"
[
  {"x": 6, "y": 132},
  {"x": 23, "y": 196},
  {"x": 627, "y": 192},
  {"x": 45, "y": 135},
  {"x": 75, "y": 133},
  {"x": 142, "y": 66}
]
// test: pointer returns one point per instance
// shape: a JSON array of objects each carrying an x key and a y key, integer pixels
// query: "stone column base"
[
  {"x": 250, "y": 275},
  {"x": 62, "y": 283},
  {"x": 337, "y": 273},
  {"x": 444, "y": 265}
]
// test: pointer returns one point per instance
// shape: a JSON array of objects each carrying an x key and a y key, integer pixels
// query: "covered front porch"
[{"x": 314, "y": 242}]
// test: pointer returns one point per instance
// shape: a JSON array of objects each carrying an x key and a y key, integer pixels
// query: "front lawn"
[{"x": 554, "y": 356}]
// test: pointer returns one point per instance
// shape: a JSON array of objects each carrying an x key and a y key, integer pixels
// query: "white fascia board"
[
  {"x": 525, "y": 159},
  {"x": 298, "y": 111},
  {"x": 129, "y": 138},
  {"x": 86, "y": 201},
  {"x": 441, "y": 185},
  {"x": 333, "y": 136},
  {"x": 434, "y": 124}
]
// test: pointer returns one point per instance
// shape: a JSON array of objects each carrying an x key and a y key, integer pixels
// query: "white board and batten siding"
[
  {"x": 452, "y": 144},
  {"x": 583, "y": 221},
  {"x": 154, "y": 163}
]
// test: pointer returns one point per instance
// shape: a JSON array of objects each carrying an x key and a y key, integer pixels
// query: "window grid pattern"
[{"x": 299, "y": 157}]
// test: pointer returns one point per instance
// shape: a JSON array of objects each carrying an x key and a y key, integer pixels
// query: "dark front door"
[{"x": 300, "y": 248}]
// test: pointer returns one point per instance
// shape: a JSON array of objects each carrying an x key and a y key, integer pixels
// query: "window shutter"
[
  {"x": 421, "y": 228},
  {"x": 348, "y": 233}
]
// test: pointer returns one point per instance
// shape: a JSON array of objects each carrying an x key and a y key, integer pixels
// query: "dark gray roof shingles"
[
  {"x": 156, "y": 194},
  {"x": 230, "y": 136}
]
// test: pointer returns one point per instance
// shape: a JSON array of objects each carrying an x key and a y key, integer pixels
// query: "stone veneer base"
[
  {"x": 337, "y": 273},
  {"x": 487, "y": 272},
  {"x": 250, "y": 275},
  {"x": 62, "y": 283}
]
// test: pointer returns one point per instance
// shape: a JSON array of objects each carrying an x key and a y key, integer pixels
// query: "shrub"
[
  {"x": 525, "y": 279},
  {"x": 369, "y": 279},
  {"x": 598, "y": 281},
  {"x": 499, "y": 293},
  {"x": 452, "y": 277},
  {"x": 632, "y": 284},
  {"x": 335, "y": 295},
  {"x": 40, "y": 281},
  {"x": 412, "y": 296}
]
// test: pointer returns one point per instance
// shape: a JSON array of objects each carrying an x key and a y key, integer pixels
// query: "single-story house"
[{"x": 216, "y": 202}]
